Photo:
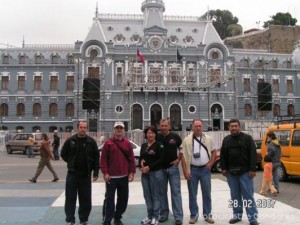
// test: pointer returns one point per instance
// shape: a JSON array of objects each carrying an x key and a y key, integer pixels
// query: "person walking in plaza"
[
  {"x": 238, "y": 163},
  {"x": 171, "y": 173},
  {"x": 81, "y": 154},
  {"x": 118, "y": 167},
  {"x": 151, "y": 160},
  {"x": 274, "y": 150},
  {"x": 55, "y": 145},
  {"x": 198, "y": 156},
  {"x": 267, "y": 178},
  {"x": 46, "y": 156},
  {"x": 30, "y": 146}
]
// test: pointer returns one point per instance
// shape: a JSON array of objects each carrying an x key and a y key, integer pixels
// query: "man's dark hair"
[
  {"x": 235, "y": 121},
  {"x": 272, "y": 135}
]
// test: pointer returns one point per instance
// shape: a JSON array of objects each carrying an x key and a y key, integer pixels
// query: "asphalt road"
[{"x": 17, "y": 168}]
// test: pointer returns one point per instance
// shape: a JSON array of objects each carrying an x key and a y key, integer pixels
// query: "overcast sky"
[{"x": 65, "y": 21}]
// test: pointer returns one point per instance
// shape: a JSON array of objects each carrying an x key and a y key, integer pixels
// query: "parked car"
[
  {"x": 136, "y": 151},
  {"x": 20, "y": 143},
  {"x": 217, "y": 164}
]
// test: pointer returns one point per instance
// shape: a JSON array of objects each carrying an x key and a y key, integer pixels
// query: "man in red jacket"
[{"x": 118, "y": 167}]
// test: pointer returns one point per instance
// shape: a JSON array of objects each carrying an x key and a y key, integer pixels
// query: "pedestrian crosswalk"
[{"x": 270, "y": 211}]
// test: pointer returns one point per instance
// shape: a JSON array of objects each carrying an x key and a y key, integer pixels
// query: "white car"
[{"x": 136, "y": 151}]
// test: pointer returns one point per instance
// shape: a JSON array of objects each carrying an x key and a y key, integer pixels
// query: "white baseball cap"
[{"x": 121, "y": 124}]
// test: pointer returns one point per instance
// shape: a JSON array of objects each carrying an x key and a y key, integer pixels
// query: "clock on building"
[{"x": 155, "y": 42}]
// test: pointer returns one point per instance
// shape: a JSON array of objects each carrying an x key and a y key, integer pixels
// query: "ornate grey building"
[{"x": 183, "y": 71}]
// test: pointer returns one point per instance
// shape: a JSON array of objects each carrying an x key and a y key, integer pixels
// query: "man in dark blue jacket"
[{"x": 81, "y": 153}]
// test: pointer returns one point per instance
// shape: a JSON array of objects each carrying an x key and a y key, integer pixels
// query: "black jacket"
[
  {"x": 70, "y": 149},
  {"x": 238, "y": 151}
]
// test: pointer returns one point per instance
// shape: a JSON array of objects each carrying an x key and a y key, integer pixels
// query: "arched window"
[
  {"x": 290, "y": 110},
  {"x": 20, "y": 109},
  {"x": 4, "y": 109},
  {"x": 175, "y": 117},
  {"x": 70, "y": 59},
  {"x": 37, "y": 110},
  {"x": 53, "y": 110},
  {"x": 22, "y": 59},
  {"x": 155, "y": 114},
  {"x": 245, "y": 63},
  {"x": 5, "y": 59},
  {"x": 54, "y": 59},
  {"x": 137, "y": 116},
  {"x": 38, "y": 59},
  {"x": 247, "y": 110},
  {"x": 276, "y": 110},
  {"x": 69, "y": 110}
]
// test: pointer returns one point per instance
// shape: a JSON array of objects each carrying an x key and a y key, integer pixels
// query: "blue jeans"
[
  {"x": 202, "y": 175},
  {"x": 110, "y": 210},
  {"x": 171, "y": 174},
  {"x": 83, "y": 187},
  {"x": 152, "y": 183},
  {"x": 242, "y": 191},
  {"x": 30, "y": 151},
  {"x": 275, "y": 172}
]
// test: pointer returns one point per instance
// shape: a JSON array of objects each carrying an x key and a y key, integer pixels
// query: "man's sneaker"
[
  {"x": 178, "y": 222},
  {"x": 163, "y": 219},
  {"x": 209, "y": 220},
  {"x": 234, "y": 220},
  {"x": 146, "y": 221},
  {"x": 32, "y": 180},
  {"x": 117, "y": 222},
  {"x": 154, "y": 221},
  {"x": 85, "y": 223},
  {"x": 193, "y": 220}
]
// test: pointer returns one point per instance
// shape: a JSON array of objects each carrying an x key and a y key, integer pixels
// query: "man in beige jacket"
[{"x": 198, "y": 157}]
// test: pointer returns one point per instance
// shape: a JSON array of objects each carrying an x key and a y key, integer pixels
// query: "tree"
[
  {"x": 223, "y": 21},
  {"x": 281, "y": 19}
]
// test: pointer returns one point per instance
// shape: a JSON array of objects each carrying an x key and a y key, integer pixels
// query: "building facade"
[{"x": 141, "y": 68}]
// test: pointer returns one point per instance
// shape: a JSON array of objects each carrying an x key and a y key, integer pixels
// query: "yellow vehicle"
[{"x": 288, "y": 134}]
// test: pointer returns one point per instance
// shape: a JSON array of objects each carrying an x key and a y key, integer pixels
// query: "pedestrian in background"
[
  {"x": 199, "y": 153},
  {"x": 81, "y": 153},
  {"x": 46, "y": 156},
  {"x": 238, "y": 163},
  {"x": 274, "y": 150},
  {"x": 268, "y": 177},
  {"x": 118, "y": 168},
  {"x": 30, "y": 146},
  {"x": 151, "y": 160},
  {"x": 55, "y": 145},
  {"x": 171, "y": 173}
]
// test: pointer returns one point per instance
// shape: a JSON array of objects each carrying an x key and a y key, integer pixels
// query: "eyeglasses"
[{"x": 118, "y": 127}]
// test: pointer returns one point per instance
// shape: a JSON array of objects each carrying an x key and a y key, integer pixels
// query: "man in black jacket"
[
  {"x": 238, "y": 163},
  {"x": 81, "y": 153},
  {"x": 55, "y": 145}
]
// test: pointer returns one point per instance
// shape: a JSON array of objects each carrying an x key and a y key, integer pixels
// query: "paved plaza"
[{"x": 42, "y": 204}]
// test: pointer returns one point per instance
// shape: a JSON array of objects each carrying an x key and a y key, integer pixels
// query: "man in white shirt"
[{"x": 198, "y": 157}]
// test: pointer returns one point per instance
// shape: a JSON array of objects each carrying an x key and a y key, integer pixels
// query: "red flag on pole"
[{"x": 140, "y": 56}]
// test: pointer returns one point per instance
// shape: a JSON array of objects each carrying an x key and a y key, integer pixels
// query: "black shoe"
[
  {"x": 163, "y": 219},
  {"x": 117, "y": 222},
  {"x": 106, "y": 223},
  {"x": 55, "y": 179},
  {"x": 178, "y": 222},
  {"x": 254, "y": 223},
  {"x": 234, "y": 220},
  {"x": 32, "y": 180}
]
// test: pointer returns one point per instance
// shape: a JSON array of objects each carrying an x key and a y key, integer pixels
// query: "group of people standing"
[{"x": 160, "y": 157}]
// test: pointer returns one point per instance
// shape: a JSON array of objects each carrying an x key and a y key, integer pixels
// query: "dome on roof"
[{"x": 296, "y": 54}]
